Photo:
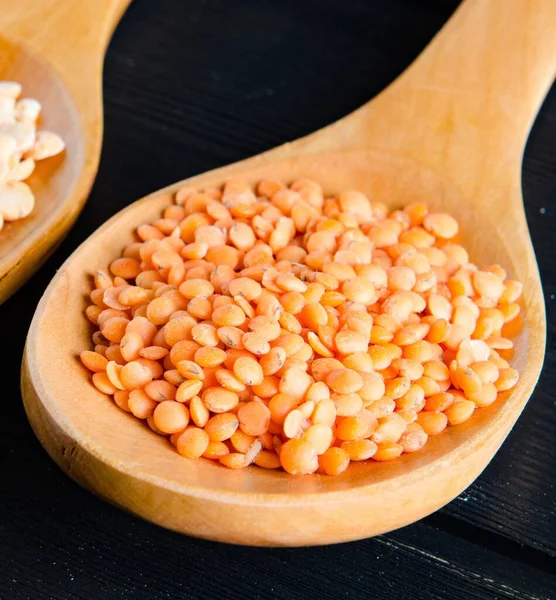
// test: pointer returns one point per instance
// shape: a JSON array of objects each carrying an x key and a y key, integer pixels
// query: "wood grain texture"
[
  {"x": 59, "y": 541},
  {"x": 458, "y": 153},
  {"x": 56, "y": 51},
  {"x": 417, "y": 563}
]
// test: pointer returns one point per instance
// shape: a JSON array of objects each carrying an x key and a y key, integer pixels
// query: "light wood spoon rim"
[{"x": 316, "y": 509}]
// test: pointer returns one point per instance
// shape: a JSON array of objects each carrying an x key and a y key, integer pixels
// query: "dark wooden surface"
[{"x": 190, "y": 86}]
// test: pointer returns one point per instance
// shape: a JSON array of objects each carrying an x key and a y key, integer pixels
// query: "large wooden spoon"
[
  {"x": 56, "y": 51},
  {"x": 450, "y": 131}
]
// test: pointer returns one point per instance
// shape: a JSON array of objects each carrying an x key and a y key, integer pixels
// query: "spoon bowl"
[
  {"x": 426, "y": 138},
  {"x": 45, "y": 62},
  {"x": 53, "y": 180}
]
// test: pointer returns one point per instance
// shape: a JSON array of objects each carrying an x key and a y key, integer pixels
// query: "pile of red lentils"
[{"x": 282, "y": 327}]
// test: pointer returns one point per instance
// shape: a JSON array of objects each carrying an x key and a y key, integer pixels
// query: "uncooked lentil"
[{"x": 291, "y": 330}]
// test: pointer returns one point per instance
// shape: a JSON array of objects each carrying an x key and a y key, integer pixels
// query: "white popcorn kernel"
[
  {"x": 27, "y": 110},
  {"x": 7, "y": 109},
  {"x": 12, "y": 89},
  {"x": 16, "y": 200},
  {"x": 23, "y": 133},
  {"x": 46, "y": 145},
  {"x": 21, "y": 171},
  {"x": 8, "y": 147}
]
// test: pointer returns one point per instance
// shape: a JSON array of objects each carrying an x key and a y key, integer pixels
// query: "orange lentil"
[
  {"x": 183, "y": 350},
  {"x": 441, "y": 225},
  {"x": 153, "y": 353},
  {"x": 248, "y": 370},
  {"x": 255, "y": 343},
  {"x": 220, "y": 400},
  {"x": 320, "y": 436},
  {"x": 221, "y": 427},
  {"x": 114, "y": 353},
  {"x": 347, "y": 404},
  {"x": 227, "y": 315},
  {"x": 273, "y": 361},
  {"x": 198, "y": 411},
  {"x": 355, "y": 427},
  {"x": 326, "y": 334},
  {"x": 200, "y": 308},
  {"x": 389, "y": 428},
  {"x": 487, "y": 371},
  {"x": 140, "y": 405},
  {"x": 193, "y": 442},
  {"x": 267, "y": 460},
  {"x": 359, "y": 361},
  {"x": 397, "y": 387},
  {"x": 178, "y": 329},
  {"x": 295, "y": 382},
  {"x": 289, "y": 323},
  {"x": 387, "y": 451},
  {"x": 265, "y": 326},
  {"x": 293, "y": 424},
  {"x": 298, "y": 457},
  {"x": 229, "y": 381},
  {"x": 208, "y": 356},
  {"x": 131, "y": 345},
  {"x": 319, "y": 329},
  {"x": 348, "y": 342},
  {"x": 268, "y": 387},
  {"x": 344, "y": 381},
  {"x": 215, "y": 450},
  {"x": 432, "y": 423},
  {"x": 280, "y": 406},
  {"x": 160, "y": 390},
  {"x": 485, "y": 395},
  {"x": 232, "y": 355},
  {"x": 413, "y": 439},
  {"x": 317, "y": 392},
  {"x": 313, "y": 315},
  {"x": 113, "y": 329},
  {"x": 241, "y": 441},
  {"x": 507, "y": 379},
  {"x": 359, "y": 449},
  {"x": 254, "y": 418},
  {"x": 173, "y": 376},
  {"x": 437, "y": 370},
  {"x": 170, "y": 416},
  {"x": 411, "y": 369},
  {"x": 93, "y": 361},
  {"x": 190, "y": 370},
  {"x": 334, "y": 461},
  {"x": 135, "y": 375},
  {"x": 231, "y": 336},
  {"x": 440, "y": 401},
  {"x": 121, "y": 398},
  {"x": 102, "y": 382},
  {"x": 459, "y": 412},
  {"x": 187, "y": 390}
]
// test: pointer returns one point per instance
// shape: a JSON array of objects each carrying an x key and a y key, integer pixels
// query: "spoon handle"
[
  {"x": 467, "y": 103},
  {"x": 464, "y": 108},
  {"x": 489, "y": 67},
  {"x": 71, "y": 34}
]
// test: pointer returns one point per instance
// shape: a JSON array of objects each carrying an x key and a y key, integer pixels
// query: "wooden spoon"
[
  {"x": 450, "y": 131},
  {"x": 56, "y": 51}
]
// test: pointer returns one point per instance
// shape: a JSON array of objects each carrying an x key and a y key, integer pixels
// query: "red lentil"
[{"x": 291, "y": 329}]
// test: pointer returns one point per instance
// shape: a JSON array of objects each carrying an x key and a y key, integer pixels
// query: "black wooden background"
[{"x": 190, "y": 86}]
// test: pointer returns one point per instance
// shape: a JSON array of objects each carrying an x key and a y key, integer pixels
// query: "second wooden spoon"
[{"x": 56, "y": 51}]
